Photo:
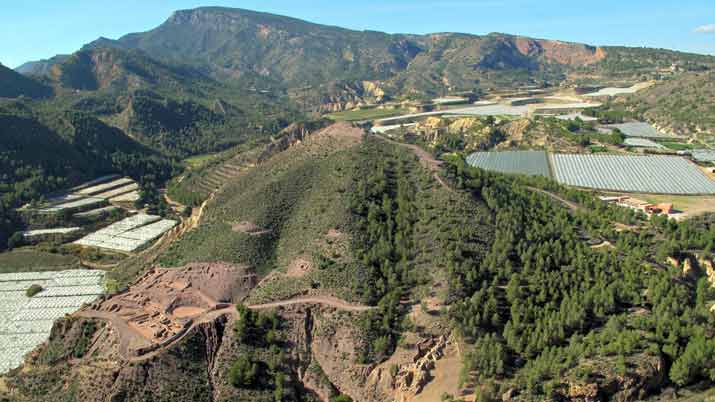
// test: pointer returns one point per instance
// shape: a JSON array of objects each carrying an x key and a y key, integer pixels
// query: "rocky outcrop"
[
  {"x": 645, "y": 375},
  {"x": 289, "y": 136},
  {"x": 707, "y": 266},
  {"x": 350, "y": 95},
  {"x": 474, "y": 133},
  {"x": 410, "y": 379}
]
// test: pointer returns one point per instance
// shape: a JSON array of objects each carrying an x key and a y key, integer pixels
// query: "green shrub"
[
  {"x": 244, "y": 372},
  {"x": 16, "y": 240},
  {"x": 33, "y": 290}
]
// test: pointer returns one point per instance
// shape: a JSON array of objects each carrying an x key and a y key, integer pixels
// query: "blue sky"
[{"x": 34, "y": 29}]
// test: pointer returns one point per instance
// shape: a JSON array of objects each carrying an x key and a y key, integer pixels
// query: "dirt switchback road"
[
  {"x": 323, "y": 300},
  {"x": 130, "y": 339}
]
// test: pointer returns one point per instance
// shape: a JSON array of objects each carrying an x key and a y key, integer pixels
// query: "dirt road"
[
  {"x": 130, "y": 339},
  {"x": 570, "y": 205},
  {"x": 322, "y": 300}
]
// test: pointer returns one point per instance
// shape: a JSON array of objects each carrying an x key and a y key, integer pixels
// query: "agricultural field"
[
  {"x": 533, "y": 163},
  {"x": 703, "y": 155},
  {"x": 103, "y": 187},
  {"x": 90, "y": 197},
  {"x": 128, "y": 235},
  {"x": 78, "y": 205},
  {"x": 96, "y": 212},
  {"x": 365, "y": 114},
  {"x": 30, "y": 259},
  {"x": 30, "y": 302},
  {"x": 615, "y": 91},
  {"x": 639, "y": 129},
  {"x": 641, "y": 143},
  {"x": 643, "y": 174},
  {"x": 678, "y": 146}
]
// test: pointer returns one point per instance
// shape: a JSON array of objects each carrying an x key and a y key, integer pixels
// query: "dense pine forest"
[{"x": 543, "y": 302}]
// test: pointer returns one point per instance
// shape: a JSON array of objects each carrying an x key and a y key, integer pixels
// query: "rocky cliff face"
[{"x": 350, "y": 95}]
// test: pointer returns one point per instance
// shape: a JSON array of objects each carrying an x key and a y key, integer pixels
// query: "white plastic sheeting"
[
  {"x": 128, "y": 234},
  {"x": 26, "y": 322},
  {"x": 641, "y": 174}
]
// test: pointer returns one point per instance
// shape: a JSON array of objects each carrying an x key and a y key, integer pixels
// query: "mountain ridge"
[{"x": 239, "y": 44}]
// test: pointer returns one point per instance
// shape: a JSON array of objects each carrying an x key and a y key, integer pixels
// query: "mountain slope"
[
  {"x": 172, "y": 108},
  {"x": 234, "y": 43},
  {"x": 683, "y": 105},
  {"x": 40, "y": 67},
  {"x": 271, "y": 50},
  {"x": 13, "y": 84}
]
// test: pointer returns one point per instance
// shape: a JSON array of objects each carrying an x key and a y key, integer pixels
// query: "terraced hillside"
[{"x": 197, "y": 184}]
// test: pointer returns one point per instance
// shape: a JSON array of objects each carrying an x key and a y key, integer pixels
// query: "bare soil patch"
[
  {"x": 444, "y": 380},
  {"x": 299, "y": 267},
  {"x": 342, "y": 130},
  {"x": 334, "y": 234},
  {"x": 187, "y": 311},
  {"x": 161, "y": 305},
  {"x": 250, "y": 229}
]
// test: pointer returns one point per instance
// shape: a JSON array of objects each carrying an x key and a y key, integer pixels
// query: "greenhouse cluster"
[
  {"x": 639, "y": 129},
  {"x": 625, "y": 173},
  {"x": 640, "y": 174},
  {"x": 534, "y": 163},
  {"x": 26, "y": 322},
  {"x": 129, "y": 234}
]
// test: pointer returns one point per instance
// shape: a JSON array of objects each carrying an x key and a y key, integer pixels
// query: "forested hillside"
[
  {"x": 45, "y": 150},
  {"x": 683, "y": 105},
  {"x": 13, "y": 84},
  {"x": 551, "y": 316}
]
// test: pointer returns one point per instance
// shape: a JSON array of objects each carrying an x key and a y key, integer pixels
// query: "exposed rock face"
[
  {"x": 707, "y": 266},
  {"x": 473, "y": 132},
  {"x": 350, "y": 95},
  {"x": 645, "y": 376},
  {"x": 412, "y": 378},
  {"x": 560, "y": 52},
  {"x": 289, "y": 136}
]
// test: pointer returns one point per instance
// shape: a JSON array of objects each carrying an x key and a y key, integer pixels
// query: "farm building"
[
  {"x": 657, "y": 174},
  {"x": 450, "y": 100},
  {"x": 639, "y": 205},
  {"x": 703, "y": 155},
  {"x": 642, "y": 143},
  {"x": 562, "y": 108}
]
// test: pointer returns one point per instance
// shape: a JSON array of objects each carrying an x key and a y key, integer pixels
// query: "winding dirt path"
[
  {"x": 322, "y": 300},
  {"x": 426, "y": 159},
  {"x": 130, "y": 339},
  {"x": 570, "y": 205}
]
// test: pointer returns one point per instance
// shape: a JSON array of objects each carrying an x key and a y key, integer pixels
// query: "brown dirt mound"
[
  {"x": 342, "y": 130},
  {"x": 299, "y": 267}
]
